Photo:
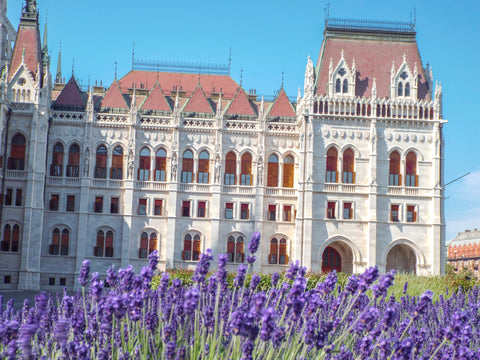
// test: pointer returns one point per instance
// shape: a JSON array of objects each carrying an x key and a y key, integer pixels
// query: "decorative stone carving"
[{"x": 86, "y": 162}]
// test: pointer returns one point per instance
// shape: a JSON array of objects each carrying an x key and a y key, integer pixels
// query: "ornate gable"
[
  {"x": 341, "y": 79},
  {"x": 404, "y": 82}
]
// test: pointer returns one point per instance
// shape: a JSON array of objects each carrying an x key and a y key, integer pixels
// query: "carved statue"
[
  {"x": 86, "y": 162},
  {"x": 260, "y": 171},
  {"x": 174, "y": 167},
  {"x": 131, "y": 163},
  {"x": 218, "y": 168}
]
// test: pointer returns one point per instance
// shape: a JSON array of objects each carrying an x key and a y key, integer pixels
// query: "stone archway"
[
  {"x": 339, "y": 256},
  {"x": 402, "y": 258}
]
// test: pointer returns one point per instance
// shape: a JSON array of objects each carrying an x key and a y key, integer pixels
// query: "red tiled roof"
[
  {"x": 240, "y": 105},
  {"x": 114, "y": 98},
  {"x": 70, "y": 94},
  {"x": 373, "y": 59},
  {"x": 28, "y": 38},
  {"x": 156, "y": 100},
  {"x": 282, "y": 106},
  {"x": 187, "y": 82},
  {"x": 198, "y": 102}
]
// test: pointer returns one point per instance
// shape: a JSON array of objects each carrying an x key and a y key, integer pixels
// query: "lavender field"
[{"x": 211, "y": 320}]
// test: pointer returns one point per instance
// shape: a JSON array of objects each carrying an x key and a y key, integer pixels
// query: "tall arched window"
[
  {"x": 345, "y": 86},
  {"x": 235, "y": 249},
  {"x": 407, "y": 89},
  {"x": 160, "y": 165},
  {"x": 148, "y": 243},
  {"x": 101, "y": 162},
  {"x": 288, "y": 171},
  {"x": 338, "y": 86},
  {"x": 230, "y": 168},
  {"x": 117, "y": 163},
  {"x": 16, "y": 161},
  {"x": 332, "y": 157},
  {"x": 395, "y": 178},
  {"x": 59, "y": 244},
  {"x": 73, "y": 161},
  {"x": 411, "y": 177},
  {"x": 246, "y": 169},
  {"x": 104, "y": 246},
  {"x": 56, "y": 169},
  {"x": 11, "y": 238},
  {"x": 400, "y": 89},
  {"x": 278, "y": 252},
  {"x": 191, "y": 249},
  {"x": 272, "y": 171},
  {"x": 187, "y": 167},
  {"x": 203, "y": 167},
  {"x": 144, "y": 167},
  {"x": 348, "y": 165}
]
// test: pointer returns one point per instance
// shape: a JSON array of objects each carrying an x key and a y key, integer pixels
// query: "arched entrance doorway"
[
  {"x": 331, "y": 260},
  {"x": 402, "y": 259},
  {"x": 337, "y": 255}
]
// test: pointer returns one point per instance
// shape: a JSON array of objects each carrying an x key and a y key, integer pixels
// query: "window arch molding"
[
  {"x": 57, "y": 158},
  {"x": 204, "y": 157},
  {"x": 118, "y": 158},
  {"x": 59, "y": 240},
  {"x": 332, "y": 155},
  {"x": 147, "y": 244},
  {"x": 246, "y": 159},
  {"x": 101, "y": 160},
  {"x": 193, "y": 243},
  {"x": 73, "y": 159},
  {"x": 236, "y": 242},
  {"x": 161, "y": 156},
  {"x": 279, "y": 251},
  {"x": 17, "y": 151},
  {"x": 188, "y": 165},
  {"x": 230, "y": 168},
  {"x": 104, "y": 242},
  {"x": 289, "y": 163},
  {"x": 273, "y": 169},
  {"x": 11, "y": 236}
]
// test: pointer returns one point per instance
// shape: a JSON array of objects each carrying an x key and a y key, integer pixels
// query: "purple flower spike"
[
  {"x": 153, "y": 260},
  {"x": 384, "y": 283},
  {"x": 240, "y": 278},
  {"x": 423, "y": 301},
  {"x": 191, "y": 301},
  {"x": 405, "y": 287},
  {"x": 275, "y": 278},
  {"x": 254, "y": 242},
  {"x": 251, "y": 259},
  {"x": 203, "y": 267},
  {"x": 84, "y": 271}
]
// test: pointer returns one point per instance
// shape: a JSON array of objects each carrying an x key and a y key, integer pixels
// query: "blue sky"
[{"x": 271, "y": 37}]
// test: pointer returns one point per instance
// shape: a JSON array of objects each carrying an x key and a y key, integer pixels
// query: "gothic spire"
[
  {"x": 45, "y": 39},
  {"x": 58, "y": 78}
]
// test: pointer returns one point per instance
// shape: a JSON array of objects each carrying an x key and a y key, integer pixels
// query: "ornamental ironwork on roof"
[{"x": 346, "y": 24}]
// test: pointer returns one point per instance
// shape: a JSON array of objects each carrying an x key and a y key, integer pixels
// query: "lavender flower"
[
  {"x": 254, "y": 242},
  {"x": 203, "y": 266},
  {"x": 153, "y": 260},
  {"x": 384, "y": 283},
  {"x": 84, "y": 271},
  {"x": 191, "y": 301},
  {"x": 240, "y": 278},
  {"x": 274, "y": 278}
]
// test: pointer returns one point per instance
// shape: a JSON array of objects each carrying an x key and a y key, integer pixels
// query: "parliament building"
[{"x": 347, "y": 176}]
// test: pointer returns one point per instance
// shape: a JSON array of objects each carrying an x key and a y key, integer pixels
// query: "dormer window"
[{"x": 341, "y": 84}]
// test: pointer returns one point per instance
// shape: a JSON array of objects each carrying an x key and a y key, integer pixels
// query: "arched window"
[
  {"x": 332, "y": 156},
  {"x": 56, "y": 169},
  {"x": 117, "y": 163},
  {"x": 101, "y": 162},
  {"x": 246, "y": 170},
  {"x": 203, "y": 167},
  {"x": 235, "y": 249},
  {"x": 400, "y": 89},
  {"x": 338, "y": 86},
  {"x": 147, "y": 244},
  {"x": 144, "y": 167},
  {"x": 59, "y": 244},
  {"x": 288, "y": 171},
  {"x": 331, "y": 260},
  {"x": 187, "y": 167},
  {"x": 272, "y": 175},
  {"x": 11, "y": 238},
  {"x": 278, "y": 252},
  {"x": 345, "y": 86},
  {"x": 160, "y": 165},
  {"x": 395, "y": 178},
  {"x": 104, "y": 246},
  {"x": 191, "y": 249},
  {"x": 230, "y": 168},
  {"x": 407, "y": 89},
  {"x": 411, "y": 177},
  {"x": 348, "y": 164},
  {"x": 73, "y": 161},
  {"x": 16, "y": 161}
]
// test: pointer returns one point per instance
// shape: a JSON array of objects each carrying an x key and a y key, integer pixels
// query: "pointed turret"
[
  {"x": 71, "y": 97},
  {"x": 240, "y": 105},
  {"x": 282, "y": 106},
  {"x": 28, "y": 47},
  {"x": 114, "y": 98},
  {"x": 198, "y": 102},
  {"x": 156, "y": 100},
  {"x": 58, "y": 77},
  {"x": 309, "y": 83},
  {"x": 46, "y": 58}
]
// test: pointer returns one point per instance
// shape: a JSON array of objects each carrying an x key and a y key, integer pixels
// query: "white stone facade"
[{"x": 360, "y": 227}]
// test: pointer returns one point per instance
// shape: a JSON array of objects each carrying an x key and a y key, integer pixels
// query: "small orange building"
[{"x": 464, "y": 252}]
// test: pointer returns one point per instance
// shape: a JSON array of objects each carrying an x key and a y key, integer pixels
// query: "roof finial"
[
  {"x": 229, "y": 61},
  {"x": 326, "y": 10},
  {"x": 283, "y": 73},
  {"x": 115, "y": 71},
  {"x": 404, "y": 57},
  {"x": 241, "y": 76},
  {"x": 133, "y": 54},
  {"x": 45, "y": 37}
]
